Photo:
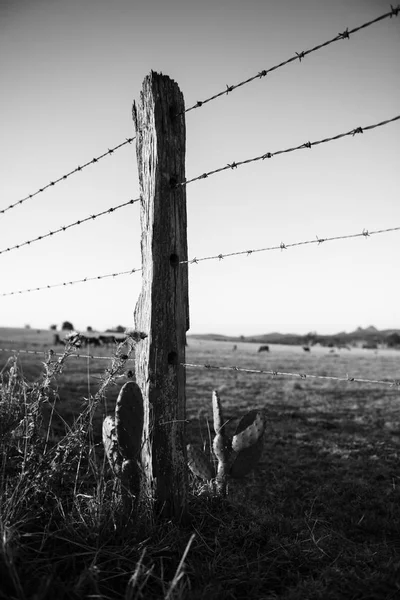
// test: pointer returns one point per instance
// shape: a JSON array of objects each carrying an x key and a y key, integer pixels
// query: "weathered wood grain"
[{"x": 162, "y": 310}]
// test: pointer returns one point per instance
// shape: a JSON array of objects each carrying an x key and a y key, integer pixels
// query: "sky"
[{"x": 70, "y": 72}]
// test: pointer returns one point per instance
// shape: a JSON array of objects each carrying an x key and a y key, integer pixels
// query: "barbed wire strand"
[
  {"x": 308, "y": 145},
  {"x": 65, "y": 227},
  {"x": 298, "y": 56},
  {"x": 63, "y": 177},
  {"x": 229, "y": 88},
  {"x": 393, "y": 383},
  {"x": 233, "y": 165},
  {"x": 365, "y": 233},
  {"x": 66, "y": 283},
  {"x": 45, "y": 352}
]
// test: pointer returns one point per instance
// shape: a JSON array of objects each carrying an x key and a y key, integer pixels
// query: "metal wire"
[
  {"x": 63, "y": 177},
  {"x": 235, "y": 164},
  {"x": 365, "y": 233},
  {"x": 65, "y": 283},
  {"x": 45, "y": 352},
  {"x": 65, "y": 227},
  {"x": 228, "y": 89},
  {"x": 394, "y": 383},
  {"x": 297, "y": 56}
]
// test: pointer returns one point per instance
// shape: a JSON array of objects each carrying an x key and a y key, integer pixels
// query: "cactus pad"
[
  {"x": 129, "y": 420},
  {"x": 217, "y": 413},
  {"x": 198, "y": 463},
  {"x": 250, "y": 429},
  {"x": 111, "y": 445}
]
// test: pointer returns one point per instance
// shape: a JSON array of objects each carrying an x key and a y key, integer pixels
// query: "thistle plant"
[{"x": 235, "y": 456}]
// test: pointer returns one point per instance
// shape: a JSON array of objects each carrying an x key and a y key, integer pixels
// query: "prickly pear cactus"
[
  {"x": 122, "y": 437},
  {"x": 247, "y": 443},
  {"x": 237, "y": 456}
]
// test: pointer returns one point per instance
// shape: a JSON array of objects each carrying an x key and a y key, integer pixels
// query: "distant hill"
[{"x": 369, "y": 335}]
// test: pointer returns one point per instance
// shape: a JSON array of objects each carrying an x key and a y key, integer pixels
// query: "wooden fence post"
[{"x": 162, "y": 311}]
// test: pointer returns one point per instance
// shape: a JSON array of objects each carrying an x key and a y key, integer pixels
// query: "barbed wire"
[
  {"x": 282, "y": 246},
  {"x": 365, "y": 233},
  {"x": 63, "y": 177},
  {"x": 65, "y": 227},
  {"x": 297, "y": 56},
  {"x": 46, "y": 352},
  {"x": 393, "y": 383},
  {"x": 228, "y": 89},
  {"x": 66, "y": 283},
  {"x": 348, "y": 378},
  {"x": 235, "y": 164}
]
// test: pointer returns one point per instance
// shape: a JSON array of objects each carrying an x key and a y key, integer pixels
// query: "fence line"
[
  {"x": 209, "y": 367},
  {"x": 65, "y": 227},
  {"x": 232, "y": 166},
  {"x": 65, "y": 283},
  {"x": 63, "y": 177},
  {"x": 235, "y": 164},
  {"x": 229, "y": 88},
  {"x": 393, "y": 383},
  {"x": 298, "y": 56},
  {"x": 45, "y": 352},
  {"x": 365, "y": 233}
]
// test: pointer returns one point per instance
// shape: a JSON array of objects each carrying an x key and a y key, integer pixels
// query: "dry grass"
[{"x": 318, "y": 519}]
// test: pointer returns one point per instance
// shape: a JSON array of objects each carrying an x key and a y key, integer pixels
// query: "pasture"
[{"x": 319, "y": 518}]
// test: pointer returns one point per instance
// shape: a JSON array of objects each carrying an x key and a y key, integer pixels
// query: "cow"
[
  {"x": 263, "y": 349},
  {"x": 306, "y": 348},
  {"x": 234, "y": 348},
  {"x": 58, "y": 341},
  {"x": 110, "y": 340},
  {"x": 89, "y": 341}
]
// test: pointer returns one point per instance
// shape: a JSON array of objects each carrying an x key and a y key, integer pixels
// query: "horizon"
[{"x": 29, "y": 326}]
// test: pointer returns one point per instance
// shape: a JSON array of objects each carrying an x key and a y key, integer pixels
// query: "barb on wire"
[
  {"x": 66, "y": 283},
  {"x": 393, "y": 383},
  {"x": 63, "y": 177},
  {"x": 65, "y": 227},
  {"x": 45, "y": 352},
  {"x": 298, "y": 56},
  {"x": 283, "y": 246},
  {"x": 236, "y": 164}
]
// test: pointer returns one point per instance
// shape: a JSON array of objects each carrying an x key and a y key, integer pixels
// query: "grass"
[{"x": 319, "y": 518}]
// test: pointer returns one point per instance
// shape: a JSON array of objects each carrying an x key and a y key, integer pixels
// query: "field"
[{"x": 319, "y": 518}]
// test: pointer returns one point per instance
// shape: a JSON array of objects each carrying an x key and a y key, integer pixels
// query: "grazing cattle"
[
  {"x": 89, "y": 341},
  {"x": 57, "y": 341},
  {"x": 306, "y": 348},
  {"x": 263, "y": 349},
  {"x": 111, "y": 340}
]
